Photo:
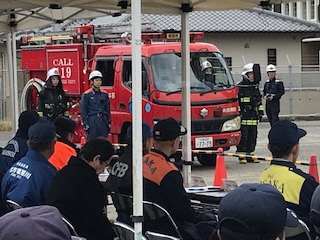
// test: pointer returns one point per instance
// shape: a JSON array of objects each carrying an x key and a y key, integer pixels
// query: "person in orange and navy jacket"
[
  {"x": 95, "y": 108},
  {"x": 163, "y": 183},
  {"x": 64, "y": 147}
]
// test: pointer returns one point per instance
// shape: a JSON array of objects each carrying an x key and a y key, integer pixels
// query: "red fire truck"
[{"x": 214, "y": 109}]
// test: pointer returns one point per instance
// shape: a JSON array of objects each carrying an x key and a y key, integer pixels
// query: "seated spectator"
[
  {"x": 17, "y": 147},
  {"x": 28, "y": 180},
  {"x": 163, "y": 183},
  {"x": 120, "y": 178},
  {"x": 31, "y": 223},
  {"x": 64, "y": 147},
  {"x": 253, "y": 211},
  {"x": 78, "y": 194},
  {"x": 295, "y": 185},
  {"x": 315, "y": 211}
]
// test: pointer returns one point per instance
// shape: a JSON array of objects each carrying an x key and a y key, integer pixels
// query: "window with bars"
[{"x": 272, "y": 56}]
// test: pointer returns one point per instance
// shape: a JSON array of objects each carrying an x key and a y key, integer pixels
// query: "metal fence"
[{"x": 296, "y": 77}]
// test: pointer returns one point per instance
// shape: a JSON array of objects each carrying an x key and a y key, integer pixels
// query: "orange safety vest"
[
  {"x": 156, "y": 167},
  {"x": 61, "y": 155}
]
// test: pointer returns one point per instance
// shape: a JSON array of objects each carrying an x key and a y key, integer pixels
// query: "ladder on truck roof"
[{"x": 88, "y": 32}]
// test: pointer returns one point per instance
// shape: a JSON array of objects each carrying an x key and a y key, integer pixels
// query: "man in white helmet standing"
[
  {"x": 251, "y": 111},
  {"x": 272, "y": 91},
  {"x": 95, "y": 108},
  {"x": 52, "y": 101}
]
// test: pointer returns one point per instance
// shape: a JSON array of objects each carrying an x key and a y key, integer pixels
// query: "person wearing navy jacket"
[
  {"x": 95, "y": 108},
  {"x": 17, "y": 147},
  {"x": 28, "y": 180}
]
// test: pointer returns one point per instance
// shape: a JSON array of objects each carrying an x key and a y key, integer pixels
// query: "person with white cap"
[
  {"x": 95, "y": 108},
  {"x": 209, "y": 79},
  {"x": 272, "y": 91},
  {"x": 52, "y": 100},
  {"x": 251, "y": 111}
]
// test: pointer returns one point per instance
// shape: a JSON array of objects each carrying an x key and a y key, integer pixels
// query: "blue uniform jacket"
[
  {"x": 16, "y": 149},
  {"x": 28, "y": 180},
  {"x": 94, "y": 102}
]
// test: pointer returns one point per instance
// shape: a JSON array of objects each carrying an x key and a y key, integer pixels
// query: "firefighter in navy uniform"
[
  {"x": 95, "y": 108},
  {"x": 251, "y": 110},
  {"x": 272, "y": 91},
  {"x": 52, "y": 101}
]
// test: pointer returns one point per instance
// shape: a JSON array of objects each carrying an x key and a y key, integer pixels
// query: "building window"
[
  {"x": 229, "y": 62},
  {"x": 294, "y": 10},
  {"x": 272, "y": 56},
  {"x": 286, "y": 9},
  {"x": 304, "y": 10},
  {"x": 277, "y": 8},
  {"x": 312, "y": 9}
]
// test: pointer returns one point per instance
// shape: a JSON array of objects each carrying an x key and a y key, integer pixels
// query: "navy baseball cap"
[
  {"x": 168, "y": 129},
  {"x": 253, "y": 210},
  {"x": 27, "y": 119},
  {"x": 146, "y": 131},
  {"x": 285, "y": 134},
  {"x": 42, "y": 131}
]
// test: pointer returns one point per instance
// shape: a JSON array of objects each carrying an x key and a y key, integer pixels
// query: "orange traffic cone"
[
  {"x": 82, "y": 141},
  {"x": 220, "y": 171},
  {"x": 313, "y": 167}
]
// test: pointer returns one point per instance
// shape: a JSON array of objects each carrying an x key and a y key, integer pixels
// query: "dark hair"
[
  {"x": 278, "y": 152},
  {"x": 62, "y": 134},
  {"x": 234, "y": 230},
  {"x": 97, "y": 146},
  {"x": 40, "y": 145}
]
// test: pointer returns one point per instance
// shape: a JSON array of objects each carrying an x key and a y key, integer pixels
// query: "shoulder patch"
[
  {"x": 88, "y": 91},
  {"x": 278, "y": 80}
]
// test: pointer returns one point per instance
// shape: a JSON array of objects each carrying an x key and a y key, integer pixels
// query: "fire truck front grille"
[{"x": 208, "y": 126}]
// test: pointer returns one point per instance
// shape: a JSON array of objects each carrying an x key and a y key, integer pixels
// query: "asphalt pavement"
[{"x": 250, "y": 172}]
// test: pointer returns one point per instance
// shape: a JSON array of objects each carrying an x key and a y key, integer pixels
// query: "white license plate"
[{"x": 204, "y": 142}]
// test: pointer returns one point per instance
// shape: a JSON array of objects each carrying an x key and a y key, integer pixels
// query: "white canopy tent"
[{"x": 26, "y": 14}]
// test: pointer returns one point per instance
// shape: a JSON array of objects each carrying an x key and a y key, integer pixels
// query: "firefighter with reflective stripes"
[
  {"x": 52, "y": 100},
  {"x": 251, "y": 110}
]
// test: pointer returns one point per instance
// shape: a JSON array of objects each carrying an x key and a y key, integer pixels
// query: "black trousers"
[
  {"x": 272, "y": 113},
  {"x": 248, "y": 140}
]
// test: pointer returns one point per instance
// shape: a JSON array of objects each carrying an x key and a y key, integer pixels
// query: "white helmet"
[
  {"x": 53, "y": 72},
  {"x": 205, "y": 65},
  {"x": 271, "y": 68},
  {"x": 247, "y": 68},
  {"x": 95, "y": 74}
]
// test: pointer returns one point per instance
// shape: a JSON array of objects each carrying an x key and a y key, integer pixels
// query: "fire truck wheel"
[{"x": 207, "y": 159}]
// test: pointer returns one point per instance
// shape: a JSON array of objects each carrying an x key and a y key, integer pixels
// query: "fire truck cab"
[{"x": 214, "y": 101}]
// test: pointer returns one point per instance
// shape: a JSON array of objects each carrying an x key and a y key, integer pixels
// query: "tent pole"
[
  {"x": 137, "y": 119},
  {"x": 15, "y": 78},
  {"x": 186, "y": 106},
  {"x": 11, "y": 84}
]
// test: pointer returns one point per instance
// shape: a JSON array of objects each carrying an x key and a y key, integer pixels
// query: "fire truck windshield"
[{"x": 205, "y": 77}]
